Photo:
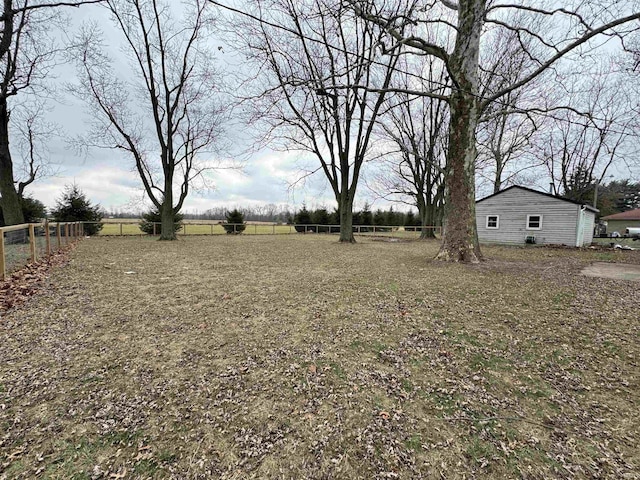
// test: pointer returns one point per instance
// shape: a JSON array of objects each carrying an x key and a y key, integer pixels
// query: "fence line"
[
  {"x": 25, "y": 243},
  {"x": 133, "y": 228}
]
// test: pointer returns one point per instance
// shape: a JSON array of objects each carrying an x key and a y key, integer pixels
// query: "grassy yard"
[{"x": 294, "y": 357}]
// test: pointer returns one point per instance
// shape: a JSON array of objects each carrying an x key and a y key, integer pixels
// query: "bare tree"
[
  {"x": 28, "y": 52},
  {"x": 581, "y": 147},
  {"x": 34, "y": 133},
  {"x": 508, "y": 126},
  {"x": 307, "y": 54},
  {"x": 566, "y": 30},
  {"x": 165, "y": 113},
  {"x": 413, "y": 166}
]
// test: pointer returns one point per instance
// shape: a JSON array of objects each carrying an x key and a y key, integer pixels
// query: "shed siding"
[
  {"x": 559, "y": 218},
  {"x": 589, "y": 225}
]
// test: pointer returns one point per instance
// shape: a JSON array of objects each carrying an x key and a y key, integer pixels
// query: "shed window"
[
  {"x": 534, "y": 222},
  {"x": 493, "y": 221}
]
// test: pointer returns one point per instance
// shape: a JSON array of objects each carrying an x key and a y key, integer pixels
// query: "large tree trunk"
[
  {"x": 460, "y": 236},
  {"x": 428, "y": 220},
  {"x": 10, "y": 201},
  {"x": 345, "y": 208},
  {"x": 167, "y": 215},
  {"x": 425, "y": 214}
]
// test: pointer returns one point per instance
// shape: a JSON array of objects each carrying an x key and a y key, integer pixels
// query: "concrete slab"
[{"x": 617, "y": 271}]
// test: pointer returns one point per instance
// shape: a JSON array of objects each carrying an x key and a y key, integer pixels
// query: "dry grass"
[{"x": 295, "y": 357}]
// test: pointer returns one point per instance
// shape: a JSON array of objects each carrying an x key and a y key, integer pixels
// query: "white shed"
[{"x": 519, "y": 215}]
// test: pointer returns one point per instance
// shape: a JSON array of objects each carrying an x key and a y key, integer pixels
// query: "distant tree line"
[
  {"x": 322, "y": 216},
  {"x": 614, "y": 197}
]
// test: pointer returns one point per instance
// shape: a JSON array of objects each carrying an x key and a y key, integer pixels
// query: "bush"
[
  {"x": 153, "y": 217},
  {"x": 321, "y": 218},
  {"x": 301, "y": 219},
  {"x": 234, "y": 222},
  {"x": 73, "y": 206}
]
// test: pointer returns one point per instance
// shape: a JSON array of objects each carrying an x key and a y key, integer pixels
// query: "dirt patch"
[
  {"x": 616, "y": 271},
  {"x": 239, "y": 357}
]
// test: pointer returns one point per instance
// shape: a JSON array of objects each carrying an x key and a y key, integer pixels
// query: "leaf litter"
[{"x": 296, "y": 357}]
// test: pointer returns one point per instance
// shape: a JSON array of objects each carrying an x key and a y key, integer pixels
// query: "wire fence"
[
  {"x": 23, "y": 244},
  {"x": 27, "y": 243},
  {"x": 219, "y": 228}
]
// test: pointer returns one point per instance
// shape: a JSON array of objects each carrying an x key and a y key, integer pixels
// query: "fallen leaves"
[
  {"x": 312, "y": 368},
  {"x": 27, "y": 282}
]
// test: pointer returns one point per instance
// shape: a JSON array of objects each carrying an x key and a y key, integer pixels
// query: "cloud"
[{"x": 102, "y": 184}]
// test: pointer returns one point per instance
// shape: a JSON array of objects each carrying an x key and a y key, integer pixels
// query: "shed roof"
[
  {"x": 588, "y": 207},
  {"x": 628, "y": 215}
]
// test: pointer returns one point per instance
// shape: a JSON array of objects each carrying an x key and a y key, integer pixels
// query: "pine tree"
[
  {"x": 153, "y": 217},
  {"x": 366, "y": 216},
  {"x": 302, "y": 218},
  {"x": 73, "y": 206},
  {"x": 234, "y": 222}
]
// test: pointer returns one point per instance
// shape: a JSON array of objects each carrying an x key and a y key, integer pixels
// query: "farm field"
[
  {"x": 294, "y": 357},
  {"x": 117, "y": 227},
  {"x": 200, "y": 228}
]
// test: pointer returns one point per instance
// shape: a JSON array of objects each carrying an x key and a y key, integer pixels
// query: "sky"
[{"x": 108, "y": 177}]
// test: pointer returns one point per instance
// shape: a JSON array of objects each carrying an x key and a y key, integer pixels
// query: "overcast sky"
[{"x": 108, "y": 176}]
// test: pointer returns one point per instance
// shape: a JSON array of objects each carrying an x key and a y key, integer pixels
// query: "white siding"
[
  {"x": 559, "y": 218},
  {"x": 589, "y": 225}
]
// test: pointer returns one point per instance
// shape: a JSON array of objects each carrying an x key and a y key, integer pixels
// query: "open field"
[
  {"x": 294, "y": 357},
  {"x": 129, "y": 226}
]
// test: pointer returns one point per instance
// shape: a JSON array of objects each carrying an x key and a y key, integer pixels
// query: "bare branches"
[
  {"x": 171, "y": 139},
  {"x": 546, "y": 64},
  {"x": 320, "y": 86}
]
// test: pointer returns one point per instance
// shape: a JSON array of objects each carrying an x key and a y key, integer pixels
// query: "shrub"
[
  {"x": 321, "y": 218},
  {"x": 234, "y": 221},
  {"x": 301, "y": 219},
  {"x": 73, "y": 206},
  {"x": 153, "y": 217}
]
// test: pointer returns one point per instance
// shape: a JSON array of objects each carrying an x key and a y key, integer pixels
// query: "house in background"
[
  {"x": 521, "y": 215},
  {"x": 618, "y": 222}
]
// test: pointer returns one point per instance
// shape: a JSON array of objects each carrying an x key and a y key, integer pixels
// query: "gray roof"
[{"x": 588, "y": 207}]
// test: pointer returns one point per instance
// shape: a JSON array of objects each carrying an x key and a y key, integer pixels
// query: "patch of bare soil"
[
  {"x": 617, "y": 271},
  {"x": 294, "y": 357}
]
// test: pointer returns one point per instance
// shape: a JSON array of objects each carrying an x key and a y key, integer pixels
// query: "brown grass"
[{"x": 296, "y": 357}]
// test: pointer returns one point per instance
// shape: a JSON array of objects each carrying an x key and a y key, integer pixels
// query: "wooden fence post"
[
  {"x": 32, "y": 242},
  {"x": 120, "y": 228},
  {"x": 58, "y": 235},
  {"x": 3, "y": 267},
  {"x": 47, "y": 237},
  {"x": 66, "y": 233}
]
